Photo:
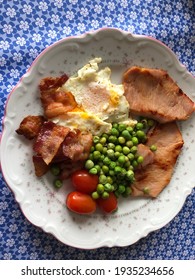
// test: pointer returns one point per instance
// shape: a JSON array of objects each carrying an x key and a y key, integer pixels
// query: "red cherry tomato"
[
  {"x": 109, "y": 204},
  {"x": 80, "y": 203},
  {"x": 84, "y": 182}
]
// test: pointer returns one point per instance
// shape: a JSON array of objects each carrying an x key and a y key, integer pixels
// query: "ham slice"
[
  {"x": 152, "y": 93},
  {"x": 49, "y": 140},
  {"x": 152, "y": 179}
]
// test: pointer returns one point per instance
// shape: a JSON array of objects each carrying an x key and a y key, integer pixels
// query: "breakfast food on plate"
[
  {"x": 154, "y": 177},
  {"x": 87, "y": 133},
  {"x": 152, "y": 93}
]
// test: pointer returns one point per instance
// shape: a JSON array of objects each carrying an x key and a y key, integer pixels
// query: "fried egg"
[
  {"x": 83, "y": 121},
  {"x": 96, "y": 94},
  {"x": 99, "y": 101}
]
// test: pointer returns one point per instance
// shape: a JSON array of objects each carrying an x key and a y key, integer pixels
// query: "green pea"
[
  {"x": 115, "y": 125},
  {"x": 96, "y": 139},
  {"x": 121, "y": 127},
  {"x": 125, "y": 133},
  {"x": 105, "y": 169},
  {"x": 133, "y": 150},
  {"x": 99, "y": 147},
  {"x": 111, "y": 146},
  {"x": 58, "y": 183},
  {"x": 140, "y": 134},
  {"x": 117, "y": 193},
  {"x": 118, "y": 148},
  {"x": 108, "y": 187},
  {"x": 153, "y": 148},
  {"x": 93, "y": 170},
  {"x": 140, "y": 159},
  {"x": 102, "y": 179},
  {"x": 117, "y": 169},
  {"x": 110, "y": 153},
  {"x": 98, "y": 168},
  {"x": 112, "y": 139},
  {"x": 135, "y": 140},
  {"x": 114, "y": 132},
  {"x": 134, "y": 163},
  {"x": 121, "y": 140},
  {"x": 103, "y": 140},
  {"x": 139, "y": 126},
  {"x": 100, "y": 188},
  {"x": 112, "y": 165},
  {"x": 55, "y": 170},
  {"x": 105, "y": 195},
  {"x": 129, "y": 144},
  {"x": 130, "y": 129},
  {"x": 92, "y": 149},
  {"x": 151, "y": 122},
  {"x": 109, "y": 180},
  {"x": 146, "y": 190},
  {"x": 96, "y": 155},
  {"x": 89, "y": 164},
  {"x": 106, "y": 160},
  {"x": 104, "y": 150},
  {"x": 127, "y": 192},
  {"x": 95, "y": 195},
  {"x": 131, "y": 156},
  {"x": 123, "y": 172},
  {"x": 126, "y": 150},
  {"x": 111, "y": 173},
  {"x": 121, "y": 159},
  {"x": 117, "y": 154},
  {"x": 130, "y": 175},
  {"x": 121, "y": 189}
]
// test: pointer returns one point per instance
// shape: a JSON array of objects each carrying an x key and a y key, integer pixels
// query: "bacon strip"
[
  {"x": 55, "y": 100},
  {"x": 30, "y": 126},
  {"x": 77, "y": 145},
  {"x": 49, "y": 140},
  {"x": 40, "y": 166}
]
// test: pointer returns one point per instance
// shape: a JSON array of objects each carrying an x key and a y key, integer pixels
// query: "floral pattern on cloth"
[{"x": 27, "y": 28}]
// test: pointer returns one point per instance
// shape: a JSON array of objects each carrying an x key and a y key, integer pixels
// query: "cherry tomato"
[
  {"x": 80, "y": 203},
  {"x": 84, "y": 182},
  {"x": 109, "y": 204}
]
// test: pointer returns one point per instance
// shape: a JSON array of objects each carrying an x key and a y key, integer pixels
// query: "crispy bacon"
[
  {"x": 77, "y": 145},
  {"x": 40, "y": 166},
  {"x": 55, "y": 100},
  {"x": 49, "y": 140},
  {"x": 30, "y": 126}
]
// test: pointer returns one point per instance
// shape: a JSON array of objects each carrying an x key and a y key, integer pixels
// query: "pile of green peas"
[{"x": 114, "y": 158}]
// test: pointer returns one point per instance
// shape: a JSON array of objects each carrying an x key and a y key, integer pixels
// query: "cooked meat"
[
  {"x": 49, "y": 140},
  {"x": 152, "y": 93},
  {"x": 146, "y": 153},
  {"x": 68, "y": 167},
  {"x": 152, "y": 179},
  {"x": 40, "y": 166},
  {"x": 30, "y": 126},
  {"x": 55, "y": 100},
  {"x": 77, "y": 145}
]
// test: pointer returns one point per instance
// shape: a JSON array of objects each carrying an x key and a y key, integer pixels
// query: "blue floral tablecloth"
[{"x": 26, "y": 28}]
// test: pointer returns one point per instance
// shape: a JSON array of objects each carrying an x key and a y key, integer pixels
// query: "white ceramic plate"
[{"x": 45, "y": 207}]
